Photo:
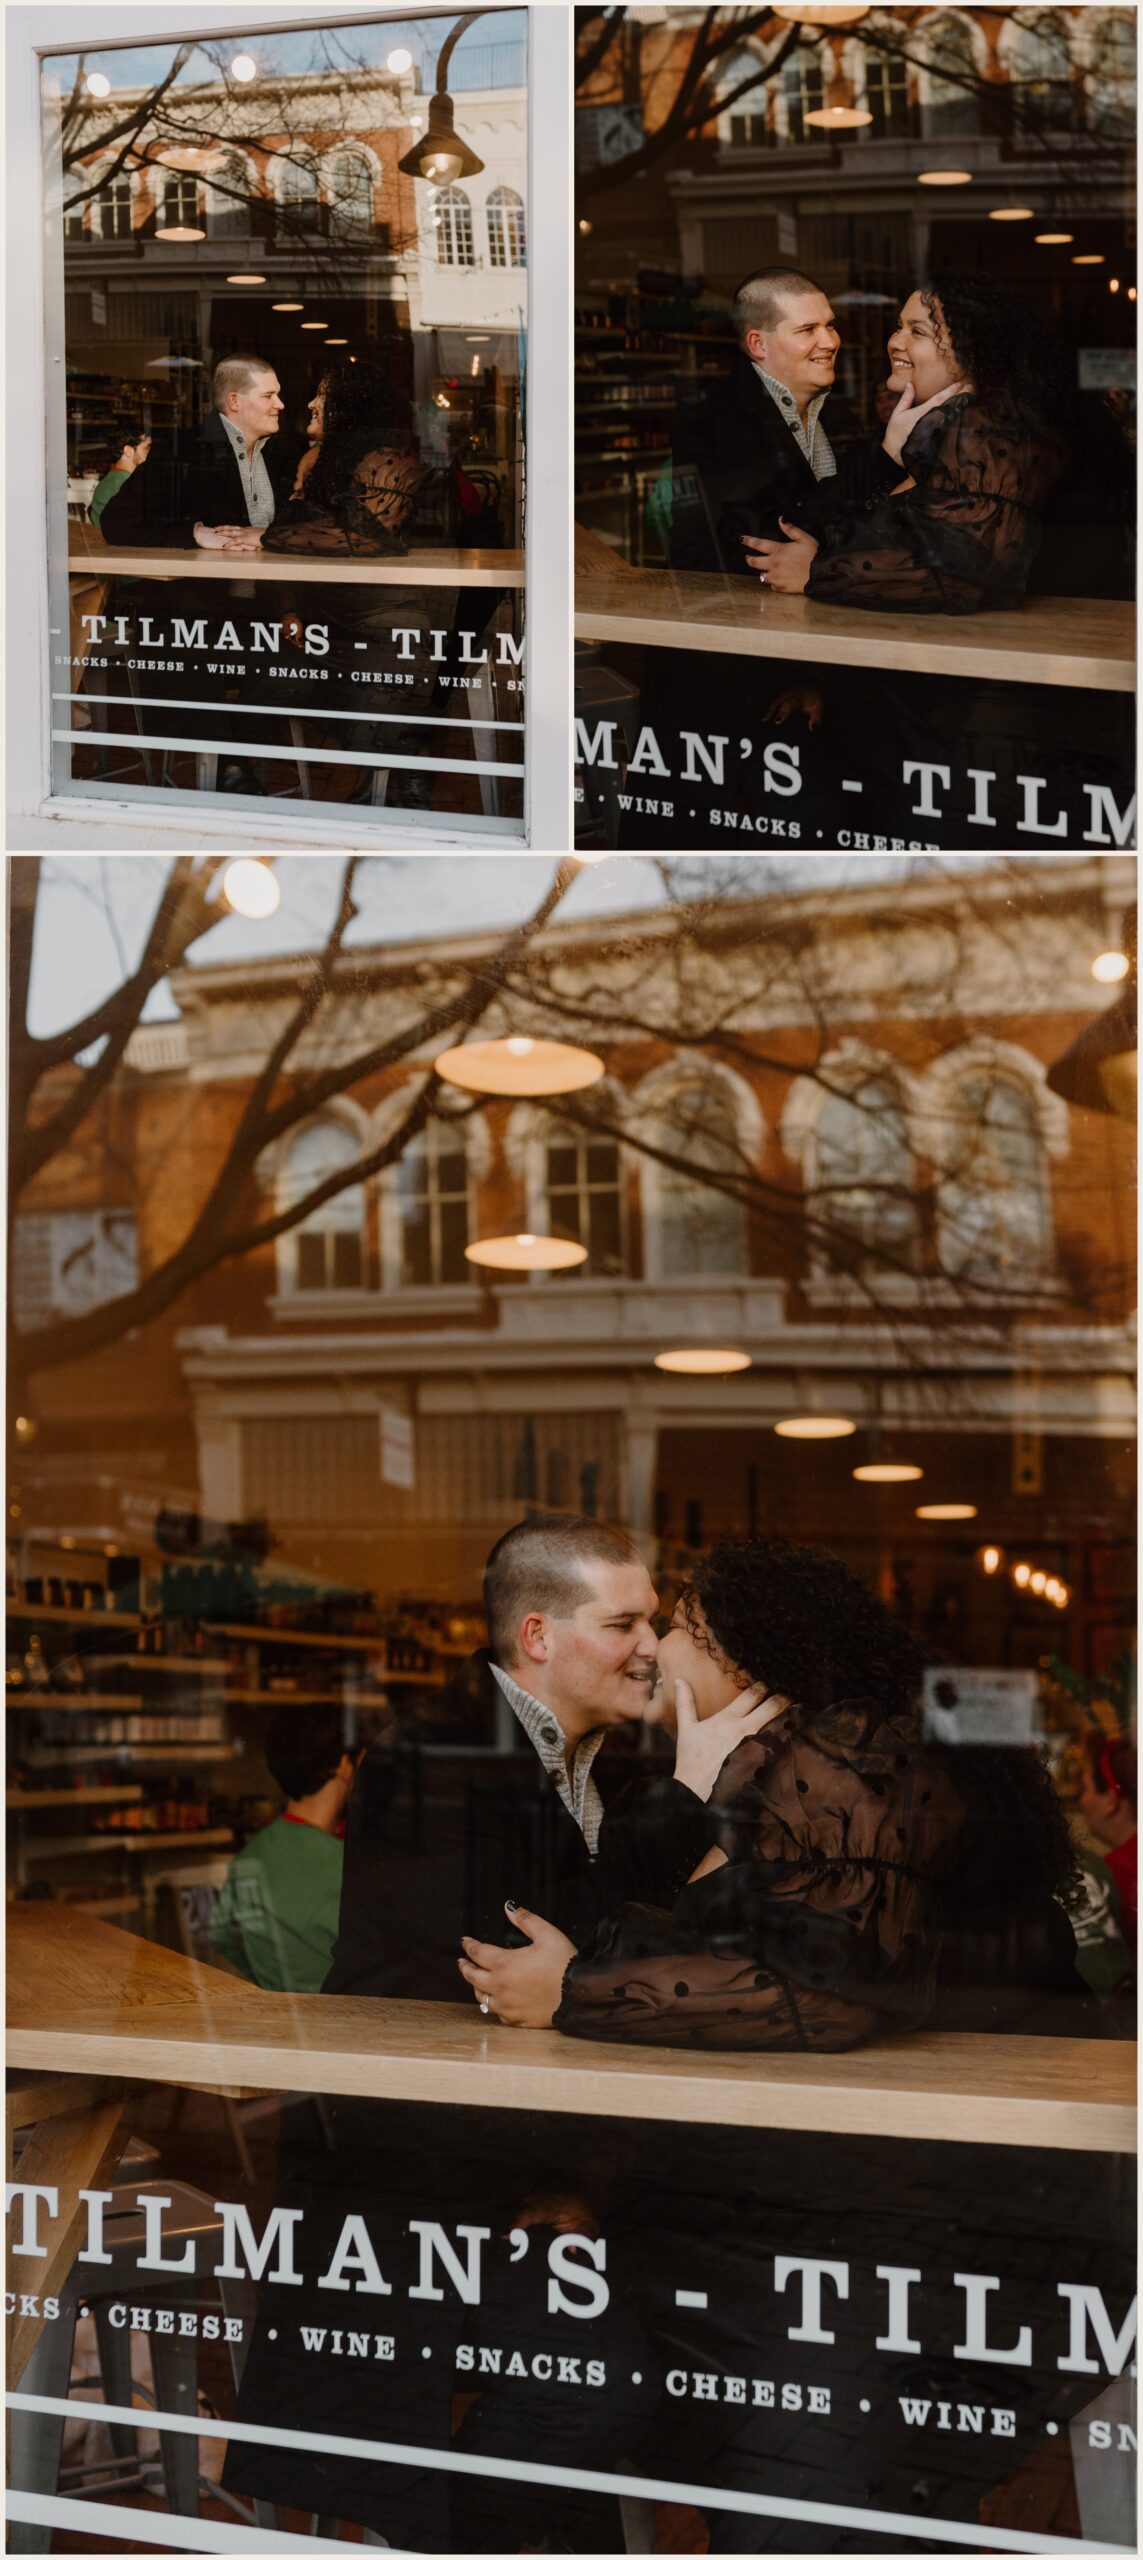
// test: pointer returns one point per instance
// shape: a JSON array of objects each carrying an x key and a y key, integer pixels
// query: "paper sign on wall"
[
  {"x": 397, "y": 1451},
  {"x": 980, "y": 1706}
]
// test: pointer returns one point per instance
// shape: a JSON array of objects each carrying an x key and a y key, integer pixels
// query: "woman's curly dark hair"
[
  {"x": 362, "y": 415},
  {"x": 1002, "y": 347},
  {"x": 1020, "y": 1834},
  {"x": 799, "y": 1619}
]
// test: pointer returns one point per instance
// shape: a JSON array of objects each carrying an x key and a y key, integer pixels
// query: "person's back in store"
[{"x": 277, "y": 1913}]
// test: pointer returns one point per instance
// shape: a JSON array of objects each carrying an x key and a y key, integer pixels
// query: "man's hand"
[
  {"x": 704, "y": 1744},
  {"x": 520, "y": 1986},
  {"x": 907, "y": 412},
  {"x": 798, "y": 697},
  {"x": 784, "y": 566},
  {"x": 228, "y": 537}
]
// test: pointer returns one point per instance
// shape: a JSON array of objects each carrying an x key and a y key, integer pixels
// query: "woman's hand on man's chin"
[{"x": 705, "y": 1742}]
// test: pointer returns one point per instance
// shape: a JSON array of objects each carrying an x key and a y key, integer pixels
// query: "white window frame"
[
  {"x": 649, "y": 1108},
  {"x": 39, "y": 819}
]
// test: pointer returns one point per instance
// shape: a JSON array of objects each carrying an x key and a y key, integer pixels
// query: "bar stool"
[{"x": 36, "y": 2439}]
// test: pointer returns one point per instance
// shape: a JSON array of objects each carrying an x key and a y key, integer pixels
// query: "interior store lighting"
[
  {"x": 179, "y": 231},
  {"x": 1113, "y": 284},
  {"x": 526, "y": 1253},
  {"x": 1100, "y": 1070},
  {"x": 944, "y": 177},
  {"x": 1021, "y": 1575},
  {"x": 519, "y": 1066},
  {"x": 287, "y": 306},
  {"x": 1090, "y": 258},
  {"x": 97, "y": 84},
  {"x": 313, "y": 324},
  {"x": 244, "y": 68},
  {"x": 249, "y": 886},
  {"x": 1054, "y": 239},
  {"x": 990, "y": 1560},
  {"x": 1037, "y": 1582},
  {"x": 337, "y": 342},
  {"x": 25, "y": 1429},
  {"x": 584, "y": 228},
  {"x": 1109, "y": 967},
  {"x": 442, "y": 154},
  {"x": 1131, "y": 293},
  {"x": 838, "y": 119},
  {"x": 1013, "y": 213},
  {"x": 246, "y": 279},
  {"x": 399, "y": 61},
  {"x": 945, "y": 1511},
  {"x": 815, "y": 1426},
  {"x": 822, "y": 13},
  {"x": 702, "y": 1360},
  {"x": 887, "y": 1471}
]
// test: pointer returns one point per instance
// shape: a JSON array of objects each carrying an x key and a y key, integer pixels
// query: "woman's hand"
[
  {"x": 784, "y": 566},
  {"x": 799, "y": 697},
  {"x": 907, "y": 412},
  {"x": 304, "y": 469},
  {"x": 704, "y": 1744},
  {"x": 520, "y": 1986}
]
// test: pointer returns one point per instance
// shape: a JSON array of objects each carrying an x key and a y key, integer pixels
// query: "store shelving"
[{"x": 630, "y": 359}]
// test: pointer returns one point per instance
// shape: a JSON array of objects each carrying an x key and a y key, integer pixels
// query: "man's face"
[
  {"x": 920, "y": 351},
  {"x": 598, "y": 1666},
  {"x": 802, "y": 350},
  {"x": 257, "y": 409}
]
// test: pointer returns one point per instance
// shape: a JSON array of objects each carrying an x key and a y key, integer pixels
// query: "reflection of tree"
[
  {"x": 943, "y": 1235},
  {"x": 619, "y": 58}
]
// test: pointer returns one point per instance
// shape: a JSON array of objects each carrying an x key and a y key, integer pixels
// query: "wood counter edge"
[
  {"x": 491, "y": 2077},
  {"x": 643, "y": 626}
]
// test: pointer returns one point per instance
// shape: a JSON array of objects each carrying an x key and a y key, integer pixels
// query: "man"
[
  {"x": 218, "y": 487},
  {"x": 753, "y": 449},
  {"x": 277, "y": 1913},
  {"x": 570, "y": 1609}
]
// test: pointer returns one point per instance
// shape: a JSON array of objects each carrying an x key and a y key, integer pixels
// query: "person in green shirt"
[
  {"x": 277, "y": 1914},
  {"x": 131, "y": 448}
]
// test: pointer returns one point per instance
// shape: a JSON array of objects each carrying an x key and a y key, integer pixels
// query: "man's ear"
[
  {"x": 533, "y": 1637},
  {"x": 754, "y": 345}
]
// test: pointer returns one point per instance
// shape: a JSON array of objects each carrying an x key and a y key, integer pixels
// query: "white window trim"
[
  {"x": 39, "y": 820},
  {"x": 847, "y": 1067},
  {"x": 478, "y": 1148},
  {"x": 526, "y": 1156},
  {"x": 936, "y": 1102},
  {"x": 651, "y": 1097},
  {"x": 341, "y": 1112}
]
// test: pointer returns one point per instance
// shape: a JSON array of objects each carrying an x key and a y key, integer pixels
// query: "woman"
[
  {"x": 1107, "y": 1800},
  {"x": 355, "y": 484},
  {"x": 808, "y": 1921},
  {"x": 962, "y": 530}
]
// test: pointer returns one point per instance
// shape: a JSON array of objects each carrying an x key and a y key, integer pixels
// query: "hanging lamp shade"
[
  {"x": 821, "y": 13},
  {"x": 441, "y": 154},
  {"x": 519, "y": 1066},
  {"x": 702, "y": 1360},
  {"x": 526, "y": 1253}
]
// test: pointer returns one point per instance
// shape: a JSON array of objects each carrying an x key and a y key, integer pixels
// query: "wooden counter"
[
  {"x": 90, "y": 557},
  {"x": 86, "y": 1998},
  {"x": 1056, "y": 640}
]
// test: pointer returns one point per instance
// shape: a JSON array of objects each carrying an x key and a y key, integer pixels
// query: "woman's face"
[
  {"x": 920, "y": 350},
  {"x": 317, "y": 415},
  {"x": 713, "y": 1680}
]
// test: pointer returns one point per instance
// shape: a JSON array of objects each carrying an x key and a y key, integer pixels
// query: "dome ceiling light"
[
  {"x": 815, "y": 1426},
  {"x": 838, "y": 119},
  {"x": 888, "y": 1471},
  {"x": 526, "y": 1253},
  {"x": 945, "y": 1511},
  {"x": 821, "y": 13},
  {"x": 519, "y": 1066},
  {"x": 701, "y": 1360}
]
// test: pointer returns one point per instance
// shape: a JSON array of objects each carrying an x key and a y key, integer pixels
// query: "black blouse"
[
  {"x": 824, "y": 1923},
  {"x": 966, "y": 535}
]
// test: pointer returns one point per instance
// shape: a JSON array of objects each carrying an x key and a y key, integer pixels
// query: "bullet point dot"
[
  {"x": 864, "y": 2406},
  {"x": 636, "y": 2377},
  {"x": 426, "y": 2351}
]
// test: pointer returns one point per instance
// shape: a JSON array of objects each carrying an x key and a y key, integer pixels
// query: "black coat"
[
  {"x": 419, "y": 1875},
  {"x": 190, "y": 477},
  {"x": 737, "y": 468}
]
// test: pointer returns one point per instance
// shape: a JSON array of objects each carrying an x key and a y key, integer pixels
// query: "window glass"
[
  {"x": 584, "y": 1198},
  {"x": 995, "y": 1206},
  {"x": 865, "y": 1182},
  {"x": 328, "y": 1243},
  {"x": 700, "y": 1228},
  {"x": 433, "y": 1193},
  {"x": 287, "y": 406}
]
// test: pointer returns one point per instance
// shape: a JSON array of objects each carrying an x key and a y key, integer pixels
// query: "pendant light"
[{"x": 519, "y": 1066}]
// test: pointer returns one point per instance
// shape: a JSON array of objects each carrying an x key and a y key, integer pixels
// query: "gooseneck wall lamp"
[{"x": 442, "y": 154}]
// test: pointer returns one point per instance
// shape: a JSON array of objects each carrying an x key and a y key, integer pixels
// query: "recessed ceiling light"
[
  {"x": 1053, "y": 239},
  {"x": 944, "y": 177},
  {"x": 945, "y": 1511},
  {"x": 1090, "y": 258},
  {"x": 698, "y": 1360},
  {"x": 815, "y": 1426},
  {"x": 887, "y": 1471},
  {"x": 287, "y": 306},
  {"x": 337, "y": 342},
  {"x": 246, "y": 279},
  {"x": 1013, "y": 213},
  {"x": 314, "y": 324}
]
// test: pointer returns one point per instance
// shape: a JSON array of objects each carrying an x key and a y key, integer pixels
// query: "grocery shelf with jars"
[{"x": 632, "y": 352}]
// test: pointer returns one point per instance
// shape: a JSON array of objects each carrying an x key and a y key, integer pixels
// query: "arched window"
[
  {"x": 952, "y": 105},
  {"x": 700, "y": 1231},
  {"x": 433, "y": 1209},
  {"x": 180, "y": 201},
  {"x": 1038, "y": 59},
  {"x": 1111, "y": 72},
  {"x": 75, "y": 220},
  {"x": 887, "y": 94},
  {"x": 993, "y": 1192},
  {"x": 506, "y": 243},
  {"x": 326, "y": 1250},
  {"x": 298, "y": 205},
  {"x": 863, "y": 1192},
  {"x": 351, "y": 196},
  {"x": 803, "y": 91},
  {"x": 112, "y": 209},
  {"x": 228, "y": 199},
  {"x": 452, "y": 222},
  {"x": 743, "y": 124},
  {"x": 583, "y": 1182}
]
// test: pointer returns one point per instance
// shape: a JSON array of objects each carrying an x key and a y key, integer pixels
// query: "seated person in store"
[
  {"x": 355, "y": 484},
  {"x": 132, "y": 446},
  {"x": 837, "y": 1878},
  {"x": 1107, "y": 1800},
  {"x": 570, "y": 1608},
  {"x": 981, "y": 432},
  {"x": 753, "y": 448},
  {"x": 277, "y": 1912},
  {"x": 219, "y": 485}
]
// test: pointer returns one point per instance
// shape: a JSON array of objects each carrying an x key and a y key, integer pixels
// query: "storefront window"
[{"x": 253, "y": 596}]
